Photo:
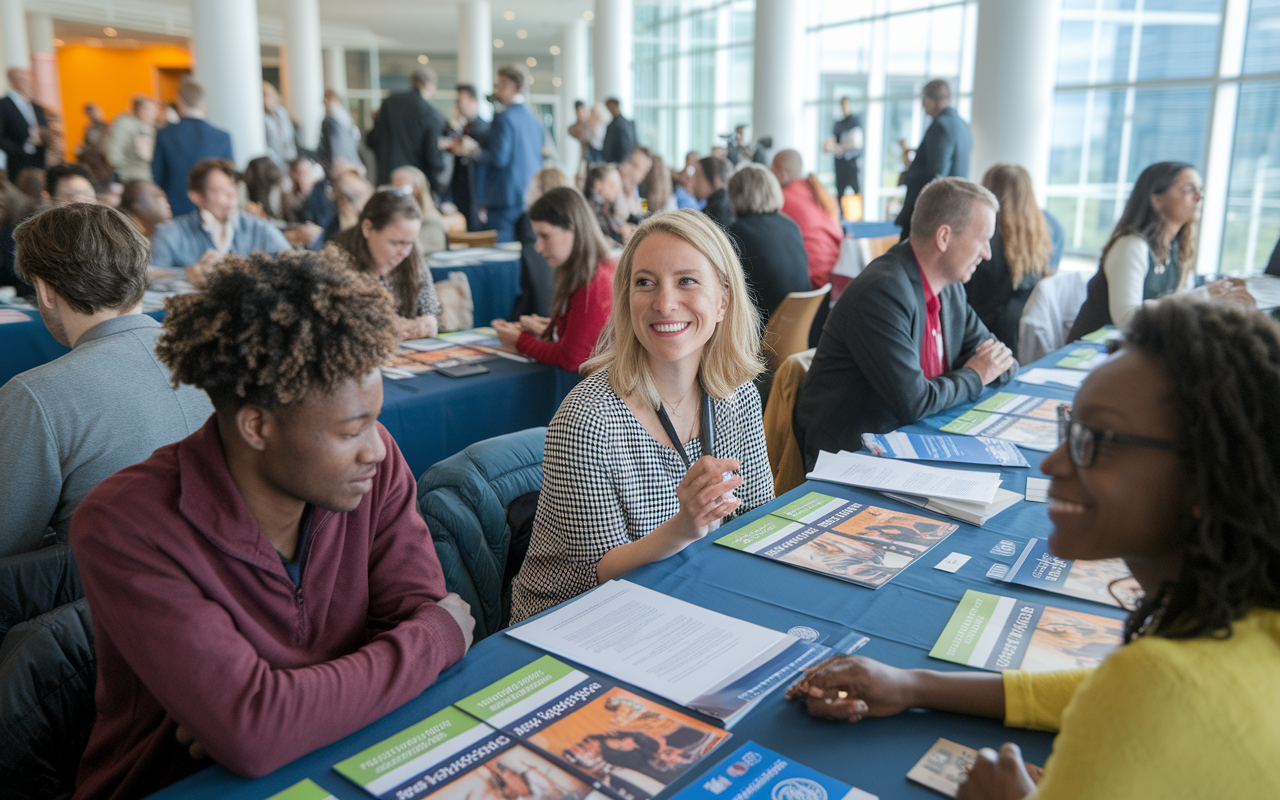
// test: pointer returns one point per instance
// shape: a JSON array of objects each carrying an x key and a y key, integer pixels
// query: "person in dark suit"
[
  {"x": 181, "y": 146},
  {"x": 769, "y": 244},
  {"x": 902, "y": 342},
  {"x": 1273, "y": 266},
  {"x": 708, "y": 184},
  {"x": 944, "y": 151},
  {"x": 408, "y": 129},
  {"x": 24, "y": 128},
  {"x": 465, "y": 183},
  {"x": 620, "y": 136},
  {"x": 511, "y": 156}
]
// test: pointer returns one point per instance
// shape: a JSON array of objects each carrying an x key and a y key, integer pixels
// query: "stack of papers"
[
  {"x": 1040, "y": 376},
  {"x": 1083, "y": 358},
  {"x": 884, "y": 475}
]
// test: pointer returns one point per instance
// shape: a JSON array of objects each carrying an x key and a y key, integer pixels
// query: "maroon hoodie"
[{"x": 197, "y": 623}]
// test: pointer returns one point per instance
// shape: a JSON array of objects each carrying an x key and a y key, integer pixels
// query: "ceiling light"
[
  {"x": 522, "y": 34},
  {"x": 423, "y": 60},
  {"x": 555, "y": 49},
  {"x": 110, "y": 32},
  {"x": 555, "y": 81},
  {"x": 588, "y": 15},
  {"x": 509, "y": 15},
  {"x": 531, "y": 61},
  {"x": 497, "y": 43}
]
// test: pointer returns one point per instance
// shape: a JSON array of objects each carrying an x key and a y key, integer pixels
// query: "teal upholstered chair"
[{"x": 465, "y": 500}]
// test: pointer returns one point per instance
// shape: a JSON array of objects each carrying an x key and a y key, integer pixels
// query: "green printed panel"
[
  {"x": 995, "y": 402},
  {"x": 748, "y": 535},
  {"x": 961, "y": 634},
  {"x": 408, "y": 744},
  {"x": 1106, "y": 334},
  {"x": 799, "y": 509},
  {"x": 305, "y": 790},
  {"x": 1078, "y": 358},
  {"x": 967, "y": 421},
  {"x": 520, "y": 684}
]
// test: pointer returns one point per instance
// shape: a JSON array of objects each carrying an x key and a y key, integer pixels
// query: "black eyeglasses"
[{"x": 1083, "y": 442}]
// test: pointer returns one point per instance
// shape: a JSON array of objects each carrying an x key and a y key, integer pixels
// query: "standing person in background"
[
  {"x": 465, "y": 183},
  {"x": 583, "y": 131},
  {"x": 769, "y": 243},
  {"x": 511, "y": 156},
  {"x": 570, "y": 241},
  {"x": 182, "y": 145},
  {"x": 809, "y": 205},
  {"x": 537, "y": 280},
  {"x": 1151, "y": 251},
  {"x": 282, "y": 138},
  {"x": 710, "y": 177},
  {"x": 338, "y": 135},
  {"x": 944, "y": 151},
  {"x": 846, "y": 144},
  {"x": 145, "y": 204},
  {"x": 132, "y": 142},
  {"x": 1021, "y": 249},
  {"x": 620, "y": 136},
  {"x": 24, "y": 127},
  {"x": 92, "y": 152},
  {"x": 433, "y": 236},
  {"x": 407, "y": 131}
]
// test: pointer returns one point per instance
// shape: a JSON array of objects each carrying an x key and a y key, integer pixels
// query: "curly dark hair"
[
  {"x": 268, "y": 330},
  {"x": 1224, "y": 365}
]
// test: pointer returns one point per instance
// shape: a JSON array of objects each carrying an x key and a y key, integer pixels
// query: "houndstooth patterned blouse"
[{"x": 607, "y": 482}]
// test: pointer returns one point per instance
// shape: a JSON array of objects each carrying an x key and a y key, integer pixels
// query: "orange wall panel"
[{"x": 110, "y": 77}]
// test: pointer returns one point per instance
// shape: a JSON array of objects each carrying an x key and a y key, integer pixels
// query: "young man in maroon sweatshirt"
[{"x": 265, "y": 586}]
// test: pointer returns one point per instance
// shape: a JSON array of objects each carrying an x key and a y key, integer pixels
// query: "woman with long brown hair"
[
  {"x": 384, "y": 243},
  {"x": 570, "y": 240},
  {"x": 1020, "y": 254}
]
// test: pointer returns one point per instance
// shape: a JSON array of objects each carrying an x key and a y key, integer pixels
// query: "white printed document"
[
  {"x": 1040, "y": 376},
  {"x": 903, "y": 477}
]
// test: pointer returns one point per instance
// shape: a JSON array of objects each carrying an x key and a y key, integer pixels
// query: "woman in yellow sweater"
[{"x": 1172, "y": 462}]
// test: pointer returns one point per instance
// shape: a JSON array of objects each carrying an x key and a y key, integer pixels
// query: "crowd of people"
[{"x": 251, "y": 550}]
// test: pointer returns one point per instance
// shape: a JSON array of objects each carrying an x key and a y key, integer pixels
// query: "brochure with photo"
[
  {"x": 1083, "y": 358},
  {"x": 303, "y": 790},
  {"x": 860, "y": 544},
  {"x": 1102, "y": 335},
  {"x": 1099, "y": 581},
  {"x": 753, "y": 772},
  {"x": 944, "y": 767},
  {"x": 956, "y": 449},
  {"x": 412, "y": 361},
  {"x": 994, "y": 632},
  {"x": 1031, "y": 422}
]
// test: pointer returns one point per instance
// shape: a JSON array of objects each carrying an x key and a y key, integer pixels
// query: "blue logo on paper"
[
  {"x": 799, "y": 789},
  {"x": 804, "y": 632}
]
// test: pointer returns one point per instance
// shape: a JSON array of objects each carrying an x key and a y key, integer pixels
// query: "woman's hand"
[
  {"x": 704, "y": 494},
  {"x": 508, "y": 332},
  {"x": 423, "y": 327},
  {"x": 998, "y": 776},
  {"x": 849, "y": 688},
  {"x": 534, "y": 323}
]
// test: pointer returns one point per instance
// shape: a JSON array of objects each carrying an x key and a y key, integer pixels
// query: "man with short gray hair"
[
  {"x": 902, "y": 342},
  {"x": 107, "y": 404}
]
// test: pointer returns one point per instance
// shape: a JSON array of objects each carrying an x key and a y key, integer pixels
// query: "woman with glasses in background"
[{"x": 1171, "y": 461}]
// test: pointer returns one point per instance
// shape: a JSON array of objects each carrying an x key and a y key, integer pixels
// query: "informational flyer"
[
  {"x": 753, "y": 772},
  {"x": 1083, "y": 358},
  {"x": 955, "y": 449},
  {"x": 1099, "y": 581},
  {"x": 993, "y": 632},
  {"x": 1031, "y": 422},
  {"x": 1102, "y": 335},
  {"x": 860, "y": 544},
  {"x": 944, "y": 767},
  {"x": 303, "y": 790},
  {"x": 888, "y": 475}
]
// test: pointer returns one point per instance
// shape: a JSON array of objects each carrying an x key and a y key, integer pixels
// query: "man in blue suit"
[
  {"x": 180, "y": 147},
  {"x": 510, "y": 157}
]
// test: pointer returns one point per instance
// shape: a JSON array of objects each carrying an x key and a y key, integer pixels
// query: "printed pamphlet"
[
  {"x": 425, "y": 355},
  {"x": 890, "y": 475},
  {"x": 993, "y": 632},
  {"x": 860, "y": 544},
  {"x": 753, "y": 772},
  {"x": 629, "y": 745},
  {"x": 1083, "y": 358},
  {"x": 1022, "y": 419},
  {"x": 303, "y": 790},
  {"x": 956, "y": 449},
  {"x": 1099, "y": 581},
  {"x": 1102, "y": 335},
  {"x": 944, "y": 767}
]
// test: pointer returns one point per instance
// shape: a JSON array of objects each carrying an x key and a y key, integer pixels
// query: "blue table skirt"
[
  {"x": 903, "y": 619},
  {"x": 870, "y": 230},
  {"x": 27, "y": 345},
  {"x": 495, "y": 285}
]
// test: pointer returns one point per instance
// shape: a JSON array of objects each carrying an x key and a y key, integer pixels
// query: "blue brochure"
[
  {"x": 753, "y": 771},
  {"x": 934, "y": 447}
]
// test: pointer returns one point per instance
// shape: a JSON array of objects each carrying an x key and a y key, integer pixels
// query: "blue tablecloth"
[
  {"x": 903, "y": 619},
  {"x": 870, "y": 230},
  {"x": 27, "y": 345},
  {"x": 495, "y": 285}
]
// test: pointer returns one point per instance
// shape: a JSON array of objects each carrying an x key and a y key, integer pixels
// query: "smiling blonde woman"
[{"x": 663, "y": 440}]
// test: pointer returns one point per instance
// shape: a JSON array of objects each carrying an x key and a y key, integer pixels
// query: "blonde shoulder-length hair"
[{"x": 730, "y": 358}]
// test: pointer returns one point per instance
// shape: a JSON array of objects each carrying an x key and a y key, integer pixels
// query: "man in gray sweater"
[{"x": 107, "y": 404}]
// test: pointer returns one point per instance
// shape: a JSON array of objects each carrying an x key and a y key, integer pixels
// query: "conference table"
[{"x": 902, "y": 619}]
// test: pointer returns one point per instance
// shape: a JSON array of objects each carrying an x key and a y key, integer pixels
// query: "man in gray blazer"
[
  {"x": 943, "y": 152},
  {"x": 902, "y": 342},
  {"x": 107, "y": 404}
]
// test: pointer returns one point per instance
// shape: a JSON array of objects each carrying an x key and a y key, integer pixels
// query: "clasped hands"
[{"x": 509, "y": 332}]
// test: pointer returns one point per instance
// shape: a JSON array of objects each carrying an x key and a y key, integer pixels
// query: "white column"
[
  {"x": 778, "y": 89},
  {"x": 44, "y": 63},
  {"x": 1217, "y": 171},
  {"x": 306, "y": 80},
  {"x": 872, "y": 177},
  {"x": 475, "y": 49},
  {"x": 335, "y": 69},
  {"x": 614, "y": 52},
  {"x": 573, "y": 87},
  {"x": 228, "y": 64},
  {"x": 14, "y": 23},
  {"x": 1013, "y": 77}
]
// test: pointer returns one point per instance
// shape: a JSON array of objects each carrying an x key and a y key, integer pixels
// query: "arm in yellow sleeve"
[{"x": 1036, "y": 700}]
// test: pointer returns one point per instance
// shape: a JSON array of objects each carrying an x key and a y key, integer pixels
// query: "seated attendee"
[
  {"x": 15, "y": 206},
  {"x": 67, "y": 424},
  {"x": 570, "y": 241},
  {"x": 434, "y": 233},
  {"x": 630, "y": 444},
  {"x": 384, "y": 244},
  {"x": 146, "y": 204},
  {"x": 1151, "y": 251},
  {"x": 657, "y": 189},
  {"x": 308, "y": 206},
  {"x": 803, "y": 201},
  {"x": 632, "y": 171},
  {"x": 1020, "y": 252},
  {"x": 708, "y": 185},
  {"x": 769, "y": 244},
  {"x": 350, "y": 192},
  {"x": 902, "y": 342},
  {"x": 264, "y": 184},
  {"x": 199, "y": 240},
  {"x": 602, "y": 189},
  {"x": 537, "y": 280},
  {"x": 1164, "y": 466},
  {"x": 265, "y": 586},
  {"x": 683, "y": 181},
  {"x": 68, "y": 183}
]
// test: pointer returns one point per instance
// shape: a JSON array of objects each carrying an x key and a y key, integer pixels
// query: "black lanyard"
[{"x": 706, "y": 434}]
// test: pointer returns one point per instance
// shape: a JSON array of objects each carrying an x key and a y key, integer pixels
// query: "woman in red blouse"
[{"x": 569, "y": 238}]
